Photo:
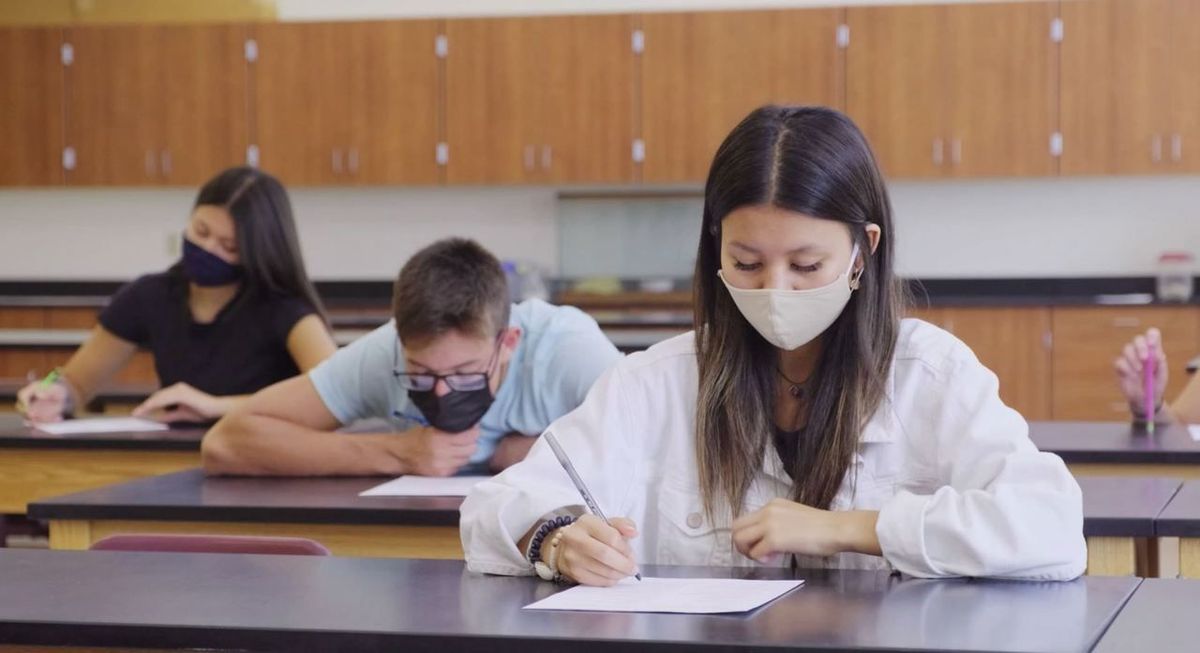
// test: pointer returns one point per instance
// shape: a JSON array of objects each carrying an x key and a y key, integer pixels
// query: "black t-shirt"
[{"x": 244, "y": 349}]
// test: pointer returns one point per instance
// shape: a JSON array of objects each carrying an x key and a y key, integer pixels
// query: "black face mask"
[
  {"x": 204, "y": 268},
  {"x": 454, "y": 412}
]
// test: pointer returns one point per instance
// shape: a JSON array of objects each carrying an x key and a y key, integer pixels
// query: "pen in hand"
[{"x": 583, "y": 491}]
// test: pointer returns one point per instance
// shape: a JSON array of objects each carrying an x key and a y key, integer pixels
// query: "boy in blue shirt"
[{"x": 465, "y": 380}]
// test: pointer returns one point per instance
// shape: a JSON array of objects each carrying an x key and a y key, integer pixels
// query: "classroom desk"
[
  {"x": 1159, "y": 617},
  {"x": 1181, "y": 518},
  {"x": 1119, "y": 516},
  {"x": 37, "y": 465},
  {"x": 1119, "y": 448},
  {"x": 328, "y": 510},
  {"x": 289, "y": 603}
]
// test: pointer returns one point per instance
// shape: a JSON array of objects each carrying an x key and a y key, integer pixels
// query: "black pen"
[{"x": 583, "y": 491}]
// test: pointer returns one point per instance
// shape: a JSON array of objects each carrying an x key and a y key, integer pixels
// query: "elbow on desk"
[{"x": 219, "y": 450}]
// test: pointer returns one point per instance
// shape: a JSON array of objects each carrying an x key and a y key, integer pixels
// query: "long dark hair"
[
  {"x": 266, "y": 234},
  {"x": 814, "y": 161}
]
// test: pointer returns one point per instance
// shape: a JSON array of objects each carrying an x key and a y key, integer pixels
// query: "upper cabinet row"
[{"x": 952, "y": 90}]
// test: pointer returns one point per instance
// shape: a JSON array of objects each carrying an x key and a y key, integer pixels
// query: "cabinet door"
[
  {"x": 114, "y": 105},
  {"x": 492, "y": 77},
  {"x": 896, "y": 86},
  {"x": 703, "y": 72},
  {"x": 1183, "y": 148},
  {"x": 1003, "y": 89},
  {"x": 394, "y": 102},
  {"x": 205, "y": 102},
  {"x": 1088, "y": 340},
  {"x": 586, "y": 110},
  {"x": 31, "y": 95},
  {"x": 1115, "y": 76},
  {"x": 300, "y": 96},
  {"x": 1015, "y": 343}
]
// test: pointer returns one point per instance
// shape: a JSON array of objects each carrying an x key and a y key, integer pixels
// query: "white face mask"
[{"x": 790, "y": 319}]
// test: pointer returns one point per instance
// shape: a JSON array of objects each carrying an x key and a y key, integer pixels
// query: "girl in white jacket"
[{"x": 803, "y": 421}]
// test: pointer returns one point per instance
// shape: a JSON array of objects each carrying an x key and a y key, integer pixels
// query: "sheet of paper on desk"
[
  {"x": 679, "y": 595},
  {"x": 425, "y": 486},
  {"x": 101, "y": 425},
  {"x": 1194, "y": 430}
]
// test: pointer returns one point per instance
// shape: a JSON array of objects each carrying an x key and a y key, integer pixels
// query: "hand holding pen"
[{"x": 593, "y": 550}]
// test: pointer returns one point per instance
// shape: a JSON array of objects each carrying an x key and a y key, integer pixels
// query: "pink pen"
[{"x": 1148, "y": 368}]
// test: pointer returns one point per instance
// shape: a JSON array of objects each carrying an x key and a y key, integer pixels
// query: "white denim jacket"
[{"x": 960, "y": 489}]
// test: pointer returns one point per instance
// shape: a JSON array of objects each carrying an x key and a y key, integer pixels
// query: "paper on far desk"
[
  {"x": 425, "y": 486},
  {"x": 680, "y": 595},
  {"x": 1194, "y": 431},
  {"x": 101, "y": 425}
]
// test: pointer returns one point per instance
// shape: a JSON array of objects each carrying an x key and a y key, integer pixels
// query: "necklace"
[{"x": 796, "y": 388}]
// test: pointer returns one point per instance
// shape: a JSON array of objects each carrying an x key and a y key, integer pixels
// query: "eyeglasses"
[{"x": 459, "y": 382}]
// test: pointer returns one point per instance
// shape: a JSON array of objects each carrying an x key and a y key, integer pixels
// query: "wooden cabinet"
[
  {"x": 31, "y": 96},
  {"x": 537, "y": 100},
  {"x": 955, "y": 90},
  {"x": 143, "y": 109},
  {"x": 703, "y": 72},
  {"x": 347, "y": 103},
  {"x": 1014, "y": 343},
  {"x": 1183, "y": 146},
  {"x": 1088, "y": 339},
  {"x": 1115, "y": 86},
  {"x": 895, "y": 81}
]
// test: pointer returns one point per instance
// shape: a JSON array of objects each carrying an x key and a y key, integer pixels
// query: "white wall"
[
  {"x": 301, "y": 10},
  {"x": 345, "y": 234},
  {"x": 1012, "y": 228}
]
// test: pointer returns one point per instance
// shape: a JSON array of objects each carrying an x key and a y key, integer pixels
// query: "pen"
[
  {"x": 1148, "y": 368},
  {"x": 47, "y": 381},
  {"x": 583, "y": 491}
]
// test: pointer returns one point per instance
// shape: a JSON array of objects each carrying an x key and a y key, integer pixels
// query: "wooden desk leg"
[
  {"x": 1189, "y": 557},
  {"x": 1148, "y": 562},
  {"x": 1111, "y": 556},
  {"x": 70, "y": 535}
]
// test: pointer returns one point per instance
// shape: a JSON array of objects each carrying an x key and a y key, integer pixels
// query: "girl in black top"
[{"x": 235, "y": 314}]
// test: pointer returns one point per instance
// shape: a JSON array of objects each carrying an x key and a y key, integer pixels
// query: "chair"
[{"x": 211, "y": 544}]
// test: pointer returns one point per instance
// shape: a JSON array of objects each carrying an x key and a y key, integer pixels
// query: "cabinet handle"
[
  {"x": 1126, "y": 322},
  {"x": 938, "y": 152},
  {"x": 151, "y": 164},
  {"x": 1156, "y": 148},
  {"x": 335, "y": 160},
  {"x": 1176, "y": 147},
  {"x": 165, "y": 158},
  {"x": 352, "y": 160},
  {"x": 529, "y": 157},
  {"x": 956, "y": 151},
  {"x": 546, "y": 157}
]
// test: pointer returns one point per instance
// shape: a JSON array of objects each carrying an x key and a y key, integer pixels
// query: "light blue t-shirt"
[{"x": 560, "y": 355}]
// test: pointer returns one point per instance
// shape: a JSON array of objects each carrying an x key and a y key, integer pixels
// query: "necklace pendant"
[{"x": 796, "y": 391}]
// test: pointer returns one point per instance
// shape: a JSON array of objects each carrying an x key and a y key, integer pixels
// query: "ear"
[
  {"x": 874, "y": 233},
  {"x": 509, "y": 339}
]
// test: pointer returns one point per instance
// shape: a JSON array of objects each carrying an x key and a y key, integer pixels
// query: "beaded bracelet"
[{"x": 547, "y": 527}]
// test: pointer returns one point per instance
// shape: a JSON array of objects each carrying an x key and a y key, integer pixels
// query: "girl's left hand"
[
  {"x": 181, "y": 403},
  {"x": 783, "y": 526}
]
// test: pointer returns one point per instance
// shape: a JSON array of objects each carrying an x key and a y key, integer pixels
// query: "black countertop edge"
[
  {"x": 95, "y": 443},
  {"x": 1118, "y": 527},
  {"x": 1173, "y": 527},
  {"x": 339, "y": 515},
  {"x": 1127, "y": 457},
  {"x": 939, "y": 291},
  {"x": 318, "y": 641}
]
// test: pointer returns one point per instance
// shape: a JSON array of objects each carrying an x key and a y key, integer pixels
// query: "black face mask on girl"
[
  {"x": 204, "y": 268},
  {"x": 461, "y": 408}
]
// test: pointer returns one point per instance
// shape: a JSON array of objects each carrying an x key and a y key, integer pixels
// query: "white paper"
[
  {"x": 425, "y": 486},
  {"x": 681, "y": 595},
  {"x": 1194, "y": 430},
  {"x": 101, "y": 425}
]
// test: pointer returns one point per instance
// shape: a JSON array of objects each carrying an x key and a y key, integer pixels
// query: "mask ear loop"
[{"x": 855, "y": 276}]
